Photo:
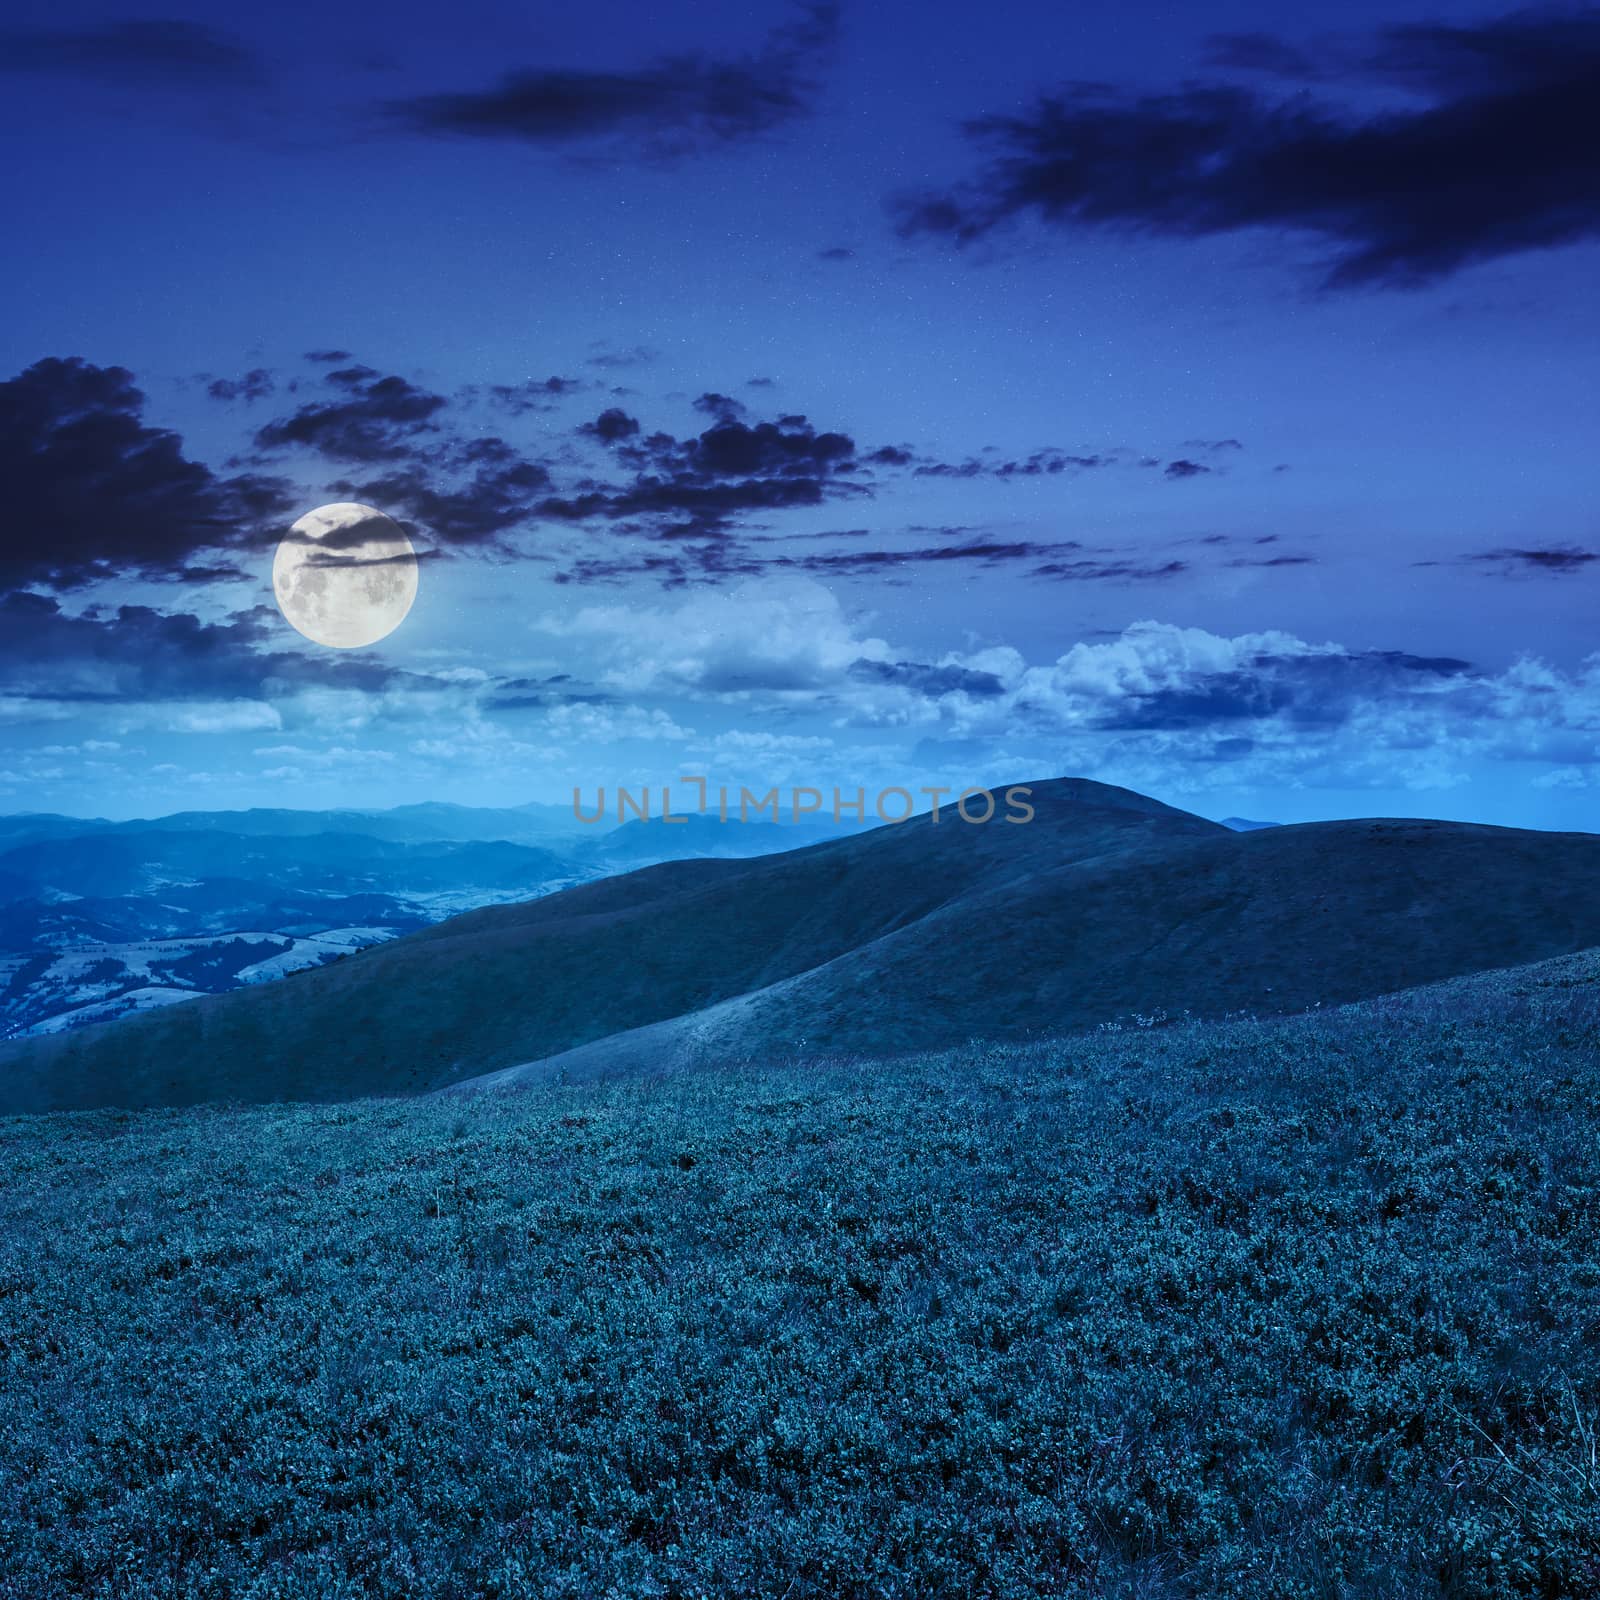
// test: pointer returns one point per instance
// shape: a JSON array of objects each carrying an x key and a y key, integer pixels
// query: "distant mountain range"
[
  {"x": 431, "y": 822},
  {"x": 1107, "y": 907},
  {"x": 101, "y": 918}
]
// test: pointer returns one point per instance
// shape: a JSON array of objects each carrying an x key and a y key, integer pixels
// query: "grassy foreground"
[{"x": 1308, "y": 1308}]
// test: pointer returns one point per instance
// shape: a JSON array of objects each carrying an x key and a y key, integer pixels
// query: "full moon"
[{"x": 345, "y": 575}]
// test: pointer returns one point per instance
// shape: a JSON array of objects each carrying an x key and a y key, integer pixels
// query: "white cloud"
[
  {"x": 1166, "y": 707},
  {"x": 24, "y": 708},
  {"x": 777, "y": 636},
  {"x": 1159, "y": 705},
  {"x": 1567, "y": 778},
  {"x": 1148, "y": 659},
  {"x": 602, "y": 724},
  {"x": 337, "y": 756},
  {"x": 221, "y": 716}
]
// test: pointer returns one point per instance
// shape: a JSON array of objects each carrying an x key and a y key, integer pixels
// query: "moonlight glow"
[{"x": 345, "y": 575}]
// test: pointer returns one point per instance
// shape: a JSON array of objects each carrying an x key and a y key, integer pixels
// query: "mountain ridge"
[{"x": 905, "y": 937}]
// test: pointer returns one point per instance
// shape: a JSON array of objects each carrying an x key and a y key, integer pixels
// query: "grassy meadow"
[{"x": 1297, "y": 1308}]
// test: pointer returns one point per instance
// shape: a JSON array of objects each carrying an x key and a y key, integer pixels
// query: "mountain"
[
  {"x": 129, "y": 863},
  {"x": 80, "y": 899},
  {"x": 1245, "y": 825},
  {"x": 83, "y": 915},
  {"x": 1105, "y": 907},
  {"x": 428, "y": 822},
  {"x": 27, "y": 826},
  {"x": 643, "y": 842}
]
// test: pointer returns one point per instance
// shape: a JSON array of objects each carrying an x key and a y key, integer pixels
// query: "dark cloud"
[
  {"x": 814, "y": 538},
  {"x": 352, "y": 377},
  {"x": 1041, "y": 464},
  {"x": 538, "y": 694},
  {"x": 1099, "y": 570},
  {"x": 1261, "y": 52},
  {"x": 712, "y": 562},
  {"x": 1558, "y": 559},
  {"x": 1185, "y": 469},
  {"x": 327, "y": 357},
  {"x": 93, "y": 492},
  {"x": 930, "y": 681},
  {"x": 127, "y": 655},
  {"x": 1310, "y": 692},
  {"x": 379, "y": 419},
  {"x": 215, "y": 572},
  {"x": 1522, "y": 50},
  {"x": 474, "y": 491},
  {"x": 671, "y": 572},
  {"x": 689, "y": 488},
  {"x": 691, "y": 509},
  {"x": 534, "y": 394},
  {"x": 837, "y": 252},
  {"x": 166, "y": 52},
  {"x": 492, "y": 490},
  {"x": 135, "y": 653},
  {"x": 335, "y": 543},
  {"x": 403, "y": 558},
  {"x": 612, "y": 360},
  {"x": 1063, "y": 559},
  {"x": 465, "y": 492},
  {"x": 1498, "y": 158},
  {"x": 672, "y": 107},
  {"x": 787, "y": 448},
  {"x": 256, "y": 384},
  {"x": 723, "y": 407},
  {"x": 716, "y": 559},
  {"x": 612, "y": 426},
  {"x": 984, "y": 552}
]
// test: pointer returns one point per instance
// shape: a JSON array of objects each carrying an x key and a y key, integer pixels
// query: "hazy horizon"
[{"x": 1324, "y": 812}]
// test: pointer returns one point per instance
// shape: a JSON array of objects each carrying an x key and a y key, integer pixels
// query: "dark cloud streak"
[
  {"x": 165, "y": 52},
  {"x": 1310, "y": 692},
  {"x": 1499, "y": 160},
  {"x": 670, "y": 108},
  {"x": 381, "y": 420}
]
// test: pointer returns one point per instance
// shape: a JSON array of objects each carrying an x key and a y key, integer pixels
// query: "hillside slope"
[
  {"x": 496, "y": 986},
  {"x": 913, "y": 936},
  {"x": 1274, "y": 921},
  {"x": 1280, "y": 1310}
]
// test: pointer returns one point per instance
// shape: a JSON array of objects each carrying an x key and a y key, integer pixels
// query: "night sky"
[{"x": 1201, "y": 398}]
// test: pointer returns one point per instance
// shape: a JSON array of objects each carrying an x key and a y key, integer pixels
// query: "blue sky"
[{"x": 1198, "y": 398}]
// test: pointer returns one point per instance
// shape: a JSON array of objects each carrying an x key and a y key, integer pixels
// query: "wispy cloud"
[
  {"x": 1496, "y": 158},
  {"x": 670, "y": 108},
  {"x": 165, "y": 52}
]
